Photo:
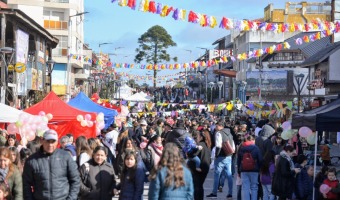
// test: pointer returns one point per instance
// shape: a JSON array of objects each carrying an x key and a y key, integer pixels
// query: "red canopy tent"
[{"x": 64, "y": 116}]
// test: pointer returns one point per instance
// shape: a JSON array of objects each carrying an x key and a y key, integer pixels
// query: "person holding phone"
[{"x": 285, "y": 172}]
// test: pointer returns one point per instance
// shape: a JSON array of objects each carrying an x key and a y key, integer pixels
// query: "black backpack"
[{"x": 147, "y": 158}]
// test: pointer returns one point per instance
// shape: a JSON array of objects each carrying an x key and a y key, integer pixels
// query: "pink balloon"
[
  {"x": 305, "y": 131},
  {"x": 286, "y": 125},
  {"x": 101, "y": 126},
  {"x": 12, "y": 129},
  {"x": 30, "y": 135},
  {"x": 89, "y": 123},
  {"x": 42, "y": 113},
  {"x": 88, "y": 117},
  {"x": 97, "y": 131},
  {"x": 324, "y": 189}
]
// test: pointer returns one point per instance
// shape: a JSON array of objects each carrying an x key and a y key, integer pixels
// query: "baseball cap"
[{"x": 50, "y": 135}]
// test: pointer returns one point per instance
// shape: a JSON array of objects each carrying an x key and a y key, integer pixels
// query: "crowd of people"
[{"x": 173, "y": 154}]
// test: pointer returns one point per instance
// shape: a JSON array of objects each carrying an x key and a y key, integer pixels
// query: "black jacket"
[
  {"x": 177, "y": 136},
  {"x": 283, "y": 179},
  {"x": 98, "y": 182},
  {"x": 52, "y": 176}
]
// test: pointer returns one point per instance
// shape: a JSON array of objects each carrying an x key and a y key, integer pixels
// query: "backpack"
[
  {"x": 248, "y": 163},
  {"x": 147, "y": 158}
]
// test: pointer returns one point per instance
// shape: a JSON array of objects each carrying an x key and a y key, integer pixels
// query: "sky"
[{"x": 108, "y": 22}]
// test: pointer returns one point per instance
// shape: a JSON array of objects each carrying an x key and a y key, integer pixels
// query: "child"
[
  {"x": 191, "y": 150},
  {"x": 332, "y": 182},
  {"x": 132, "y": 177},
  {"x": 266, "y": 174},
  {"x": 4, "y": 191}
]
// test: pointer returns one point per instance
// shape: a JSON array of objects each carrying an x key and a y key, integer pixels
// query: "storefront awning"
[{"x": 226, "y": 72}]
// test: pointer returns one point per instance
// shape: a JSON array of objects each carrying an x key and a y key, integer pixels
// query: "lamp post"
[
  {"x": 100, "y": 44},
  {"x": 299, "y": 78},
  {"x": 219, "y": 84},
  {"x": 68, "y": 73},
  {"x": 211, "y": 85},
  {"x": 50, "y": 65}
]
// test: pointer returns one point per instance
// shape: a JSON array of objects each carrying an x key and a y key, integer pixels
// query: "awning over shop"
[{"x": 226, "y": 72}]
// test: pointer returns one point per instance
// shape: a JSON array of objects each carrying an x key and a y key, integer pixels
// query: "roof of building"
[
  {"x": 321, "y": 54},
  {"x": 28, "y": 21}
]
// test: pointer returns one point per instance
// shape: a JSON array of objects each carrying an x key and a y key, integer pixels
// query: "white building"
[{"x": 63, "y": 19}]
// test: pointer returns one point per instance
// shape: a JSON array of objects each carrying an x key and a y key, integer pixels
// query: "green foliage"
[{"x": 153, "y": 46}]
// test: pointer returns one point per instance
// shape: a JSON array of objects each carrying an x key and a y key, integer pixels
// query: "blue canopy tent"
[{"x": 82, "y": 102}]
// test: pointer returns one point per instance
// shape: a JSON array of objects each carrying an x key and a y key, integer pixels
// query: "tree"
[{"x": 152, "y": 48}]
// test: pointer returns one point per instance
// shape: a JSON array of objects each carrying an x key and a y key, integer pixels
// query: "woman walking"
[
  {"x": 97, "y": 177},
  {"x": 202, "y": 139},
  {"x": 283, "y": 180},
  {"x": 171, "y": 180}
]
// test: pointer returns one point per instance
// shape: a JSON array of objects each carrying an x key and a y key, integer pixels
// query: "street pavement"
[{"x": 209, "y": 182}]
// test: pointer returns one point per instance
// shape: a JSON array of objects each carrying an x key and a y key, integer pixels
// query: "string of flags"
[
  {"x": 205, "y": 20},
  {"x": 216, "y": 61}
]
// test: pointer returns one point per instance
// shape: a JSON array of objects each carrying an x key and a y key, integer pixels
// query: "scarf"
[
  {"x": 158, "y": 148},
  {"x": 3, "y": 173},
  {"x": 285, "y": 155}
]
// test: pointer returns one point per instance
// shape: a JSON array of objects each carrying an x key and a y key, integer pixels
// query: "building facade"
[
  {"x": 25, "y": 48},
  {"x": 64, "y": 20}
]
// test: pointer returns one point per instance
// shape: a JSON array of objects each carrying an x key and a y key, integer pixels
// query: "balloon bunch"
[
  {"x": 308, "y": 134},
  {"x": 85, "y": 120},
  {"x": 100, "y": 122},
  {"x": 28, "y": 126},
  {"x": 287, "y": 133}
]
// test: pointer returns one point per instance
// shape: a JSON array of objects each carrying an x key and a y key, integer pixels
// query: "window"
[{"x": 61, "y": 49}]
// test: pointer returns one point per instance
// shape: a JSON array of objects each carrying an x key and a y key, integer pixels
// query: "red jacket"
[{"x": 332, "y": 184}]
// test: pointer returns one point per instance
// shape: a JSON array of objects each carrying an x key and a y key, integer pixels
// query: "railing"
[
  {"x": 55, "y": 25},
  {"x": 58, "y": 1}
]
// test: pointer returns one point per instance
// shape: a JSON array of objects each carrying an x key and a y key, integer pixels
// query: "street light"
[
  {"x": 68, "y": 73},
  {"x": 299, "y": 79},
  {"x": 100, "y": 44},
  {"x": 211, "y": 85},
  {"x": 50, "y": 65},
  {"x": 219, "y": 84}
]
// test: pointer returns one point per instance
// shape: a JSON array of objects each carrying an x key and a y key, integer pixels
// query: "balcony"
[{"x": 55, "y": 25}]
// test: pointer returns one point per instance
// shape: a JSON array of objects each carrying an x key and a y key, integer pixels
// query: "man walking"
[
  {"x": 50, "y": 173},
  {"x": 222, "y": 161}
]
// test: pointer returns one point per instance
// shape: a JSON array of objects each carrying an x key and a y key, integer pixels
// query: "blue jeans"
[
  {"x": 267, "y": 192},
  {"x": 223, "y": 164},
  {"x": 197, "y": 161},
  {"x": 249, "y": 185}
]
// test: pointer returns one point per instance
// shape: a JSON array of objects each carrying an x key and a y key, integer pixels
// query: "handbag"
[{"x": 228, "y": 148}]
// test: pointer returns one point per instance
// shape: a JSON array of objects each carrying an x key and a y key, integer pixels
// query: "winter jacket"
[
  {"x": 303, "y": 184},
  {"x": 15, "y": 184},
  {"x": 256, "y": 154},
  {"x": 158, "y": 190},
  {"x": 332, "y": 184},
  {"x": 205, "y": 157},
  {"x": 133, "y": 190},
  {"x": 97, "y": 181},
  {"x": 51, "y": 176},
  {"x": 283, "y": 179},
  {"x": 177, "y": 136},
  {"x": 263, "y": 140}
]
